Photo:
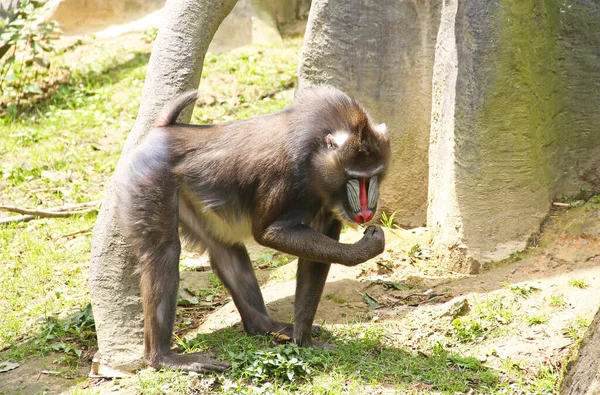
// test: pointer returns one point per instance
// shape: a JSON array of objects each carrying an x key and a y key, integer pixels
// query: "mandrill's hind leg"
[
  {"x": 152, "y": 221},
  {"x": 234, "y": 268},
  {"x": 159, "y": 287}
]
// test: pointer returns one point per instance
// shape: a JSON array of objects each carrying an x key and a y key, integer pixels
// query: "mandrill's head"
[{"x": 353, "y": 155}]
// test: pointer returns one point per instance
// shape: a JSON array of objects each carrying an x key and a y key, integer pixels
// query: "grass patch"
[
  {"x": 520, "y": 291},
  {"x": 578, "y": 283},
  {"x": 486, "y": 319},
  {"x": 558, "y": 301},
  {"x": 576, "y": 327},
  {"x": 63, "y": 148},
  {"x": 537, "y": 319},
  {"x": 363, "y": 360},
  {"x": 272, "y": 259}
]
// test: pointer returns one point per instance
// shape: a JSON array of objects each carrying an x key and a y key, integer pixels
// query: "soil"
[{"x": 422, "y": 310}]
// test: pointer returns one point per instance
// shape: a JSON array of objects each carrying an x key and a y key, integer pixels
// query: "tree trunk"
[
  {"x": 175, "y": 67},
  {"x": 582, "y": 374}
]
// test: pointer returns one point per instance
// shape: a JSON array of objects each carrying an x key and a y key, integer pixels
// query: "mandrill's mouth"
[{"x": 362, "y": 197}]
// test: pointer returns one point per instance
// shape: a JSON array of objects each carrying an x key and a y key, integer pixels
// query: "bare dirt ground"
[{"x": 420, "y": 313}]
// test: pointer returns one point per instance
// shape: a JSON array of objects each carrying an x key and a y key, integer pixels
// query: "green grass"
[
  {"x": 578, "y": 283},
  {"x": 487, "y": 319},
  {"x": 558, "y": 301},
  {"x": 537, "y": 319},
  {"x": 576, "y": 327},
  {"x": 363, "y": 361},
  {"x": 64, "y": 147}
]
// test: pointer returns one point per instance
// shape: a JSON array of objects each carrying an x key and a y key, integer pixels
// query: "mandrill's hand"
[{"x": 371, "y": 244}]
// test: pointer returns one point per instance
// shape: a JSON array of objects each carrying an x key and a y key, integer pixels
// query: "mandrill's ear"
[
  {"x": 381, "y": 128},
  {"x": 336, "y": 140}
]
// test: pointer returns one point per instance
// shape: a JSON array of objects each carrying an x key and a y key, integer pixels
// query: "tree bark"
[
  {"x": 582, "y": 374},
  {"x": 175, "y": 67}
]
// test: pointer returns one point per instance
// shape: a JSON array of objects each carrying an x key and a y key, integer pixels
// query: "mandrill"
[{"x": 288, "y": 180}]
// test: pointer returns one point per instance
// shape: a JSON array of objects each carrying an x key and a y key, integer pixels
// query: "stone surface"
[
  {"x": 257, "y": 22},
  {"x": 81, "y": 16},
  {"x": 582, "y": 374},
  {"x": 250, "y": 22},
  {"x": 514, "y": 122},
  {"x": 382, "y": 53}
]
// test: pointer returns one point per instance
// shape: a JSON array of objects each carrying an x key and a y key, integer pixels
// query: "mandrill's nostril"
[{"x": 364, "y": 216}]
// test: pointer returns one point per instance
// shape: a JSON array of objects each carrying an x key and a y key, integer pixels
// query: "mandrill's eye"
[{"x": 362, "y": 197}]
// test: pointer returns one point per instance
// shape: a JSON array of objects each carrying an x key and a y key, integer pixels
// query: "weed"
[
  {"x": 386, "y": 221},
  {"x": 415, "y": 251},
  {"x": 558, "y": 301},
  {"x": 516, "y": 256},
  {"x": 576, "y": 327},
  {"x": 272, "y": 259},
  {"x": 486, "y": 319},
  {"x": 25, "y": 41},
  {"x": 537, "y": 319},
  {"x": 520, "y": 291},
  {"x": 283, "y": 364},
  {"x": 150, "y": 34},
  {"x": 578, "y": 283}
]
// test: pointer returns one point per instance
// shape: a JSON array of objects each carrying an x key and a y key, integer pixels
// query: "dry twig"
[{"x": 55, "y": 212}]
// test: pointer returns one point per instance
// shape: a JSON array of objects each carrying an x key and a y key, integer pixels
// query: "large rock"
[
  {"x": 81, "y": 16},
  {"x": 250, "y": 22},
  {"x": 516, "y": 107},
  {"x": 382, "y": 53}
]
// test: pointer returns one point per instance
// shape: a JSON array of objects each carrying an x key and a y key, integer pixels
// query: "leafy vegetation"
[
  {"x": 578, "y": 283},
  {"x": 488, "y": 317},
  {"x": 25, "y": 44}
]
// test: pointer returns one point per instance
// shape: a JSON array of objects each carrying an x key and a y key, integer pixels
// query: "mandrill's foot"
[
  {"x": 287, "y": 330},
  {"x": 195, "y": 362}
]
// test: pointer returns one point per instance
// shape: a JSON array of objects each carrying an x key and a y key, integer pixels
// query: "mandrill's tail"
[{"x": 171, "y": 111}]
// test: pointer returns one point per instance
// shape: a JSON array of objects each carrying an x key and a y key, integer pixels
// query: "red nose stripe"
[
  {"x": 363, "y": 194},
  {"x": 365, "y": 214}
]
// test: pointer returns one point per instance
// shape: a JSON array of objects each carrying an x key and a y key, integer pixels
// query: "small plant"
[
  {"x": 467, "y": 329},
  {"x": 272, "y": 259},
  {"x": 483, "y": 321},
  {"x": 576, "y": 327},
  {"x": 25, "y": 42},
  {"x": 520, "y": 291},
  {"x": 415, "y": 251},
  {"x": 567, "y": 199},
  {"x": 595, "y": 199},
  {"x": 537, "y": 319},
  {"x": 578, "y": 283},
  {"x": 284, "y": 364},
  {"x": 516, "y": 256},
  {"x": 69, "y": 336},
  {"x": 150, "y": 35},
  {"x": 386, "y": 221},
  {"x": 558, "y": 301}
]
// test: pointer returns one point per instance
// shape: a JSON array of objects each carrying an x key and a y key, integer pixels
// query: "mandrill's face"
[{"x": 362, "y": 155}]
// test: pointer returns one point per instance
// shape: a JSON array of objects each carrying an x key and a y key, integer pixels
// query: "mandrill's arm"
[{"x": 304, "y": 242}]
